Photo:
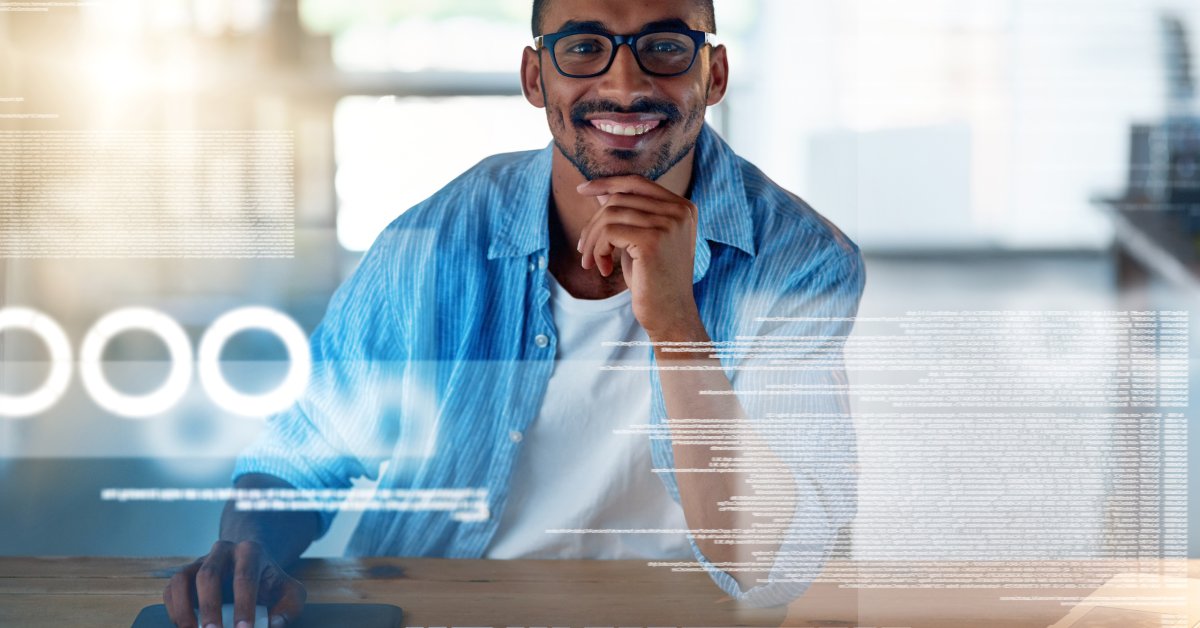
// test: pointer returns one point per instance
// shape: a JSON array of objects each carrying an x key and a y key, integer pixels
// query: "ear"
[
  {"x": 718, "y": 75},
  {"x": 531, "y": 78}
]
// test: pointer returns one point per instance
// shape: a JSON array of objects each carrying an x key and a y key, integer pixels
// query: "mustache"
[{"x": 581, "y": 110}]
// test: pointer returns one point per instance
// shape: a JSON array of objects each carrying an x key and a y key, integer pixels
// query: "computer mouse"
[{"x": 260, "y": 616}]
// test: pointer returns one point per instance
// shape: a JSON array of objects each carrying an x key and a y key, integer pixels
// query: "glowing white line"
[
  {"x": 48, "y": 394},
  {"x": 239, "y": 320},
  {"x": 136, "y": 406}
]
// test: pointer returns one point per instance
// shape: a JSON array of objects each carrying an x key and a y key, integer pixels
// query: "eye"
[
  {"x": 665, "y": 47},
  {"x": 583, "y": 47}
]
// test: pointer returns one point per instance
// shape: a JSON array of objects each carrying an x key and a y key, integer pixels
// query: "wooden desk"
[{"x": 436, "y": 592}]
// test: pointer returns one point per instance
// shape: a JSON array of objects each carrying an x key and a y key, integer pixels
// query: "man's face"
[{"x": 590, "y": 117}]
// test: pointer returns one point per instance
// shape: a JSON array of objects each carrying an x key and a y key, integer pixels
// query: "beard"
[{"x": 595, "y": 163}]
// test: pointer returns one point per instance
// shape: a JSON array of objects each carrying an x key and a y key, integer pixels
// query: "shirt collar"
[
  {"x": 523, "y": 226},
  {"x": 720, "y": 193},
  {"x": 717, "y": 190}
]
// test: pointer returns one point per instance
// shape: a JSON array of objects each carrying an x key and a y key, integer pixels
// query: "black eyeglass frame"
[{"x": 700, "y": 38}]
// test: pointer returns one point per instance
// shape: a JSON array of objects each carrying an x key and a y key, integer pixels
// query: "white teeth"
[{"x": 627, "y": 131}]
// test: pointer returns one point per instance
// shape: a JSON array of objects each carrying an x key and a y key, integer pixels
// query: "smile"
[{"x": 625, "y": 129}]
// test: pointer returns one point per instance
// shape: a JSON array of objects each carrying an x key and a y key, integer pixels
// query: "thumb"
[{"x": 290, "y": 603}]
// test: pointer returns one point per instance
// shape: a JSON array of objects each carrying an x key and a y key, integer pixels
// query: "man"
[{"x": 482, "y": 312}]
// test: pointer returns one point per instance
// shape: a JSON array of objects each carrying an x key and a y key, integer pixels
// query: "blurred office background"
[{"x": 966, "y": 145}]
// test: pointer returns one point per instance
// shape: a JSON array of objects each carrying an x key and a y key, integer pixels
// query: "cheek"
[
  {"x": 559, "y": 113},
  {"x": 693, "y": 107},
  {"x": 558, "y": 122}
]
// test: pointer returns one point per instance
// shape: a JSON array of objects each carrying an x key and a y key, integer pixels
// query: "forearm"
[
  {"x": 283, "y": 534},
  {"x": 701, "y": 493}
]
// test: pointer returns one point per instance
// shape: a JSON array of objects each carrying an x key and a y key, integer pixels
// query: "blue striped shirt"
[{"x": 439, "y": 347}]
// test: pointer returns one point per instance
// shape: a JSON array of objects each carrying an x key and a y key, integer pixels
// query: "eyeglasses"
[{"x": 580, "y": 53}]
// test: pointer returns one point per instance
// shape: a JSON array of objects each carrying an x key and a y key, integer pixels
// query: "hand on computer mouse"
[{"x": 255, "y": 579}]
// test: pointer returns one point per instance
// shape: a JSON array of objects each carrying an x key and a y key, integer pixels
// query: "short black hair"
[{"x": 708, "y": 15}]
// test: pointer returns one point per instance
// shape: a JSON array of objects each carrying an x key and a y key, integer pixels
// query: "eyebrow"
[{"x": 599, "y": 27}]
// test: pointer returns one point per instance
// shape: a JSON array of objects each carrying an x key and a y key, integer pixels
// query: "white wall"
[{"x": 828, "y": 93}]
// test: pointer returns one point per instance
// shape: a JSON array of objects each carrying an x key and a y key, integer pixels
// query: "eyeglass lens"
[{"x": 660, "y": 53}]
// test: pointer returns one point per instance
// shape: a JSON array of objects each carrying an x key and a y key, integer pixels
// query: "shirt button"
[
  {"x": 532, "y": 267},
  {"x": 542, "y": 341},
  {"x": 542, "y": 262},
  {"x": 515, "y": 436}
]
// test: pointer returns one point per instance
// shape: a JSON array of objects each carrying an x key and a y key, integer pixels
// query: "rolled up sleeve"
[
  {"x": 791, "y": 382},
  {"x": 341, "y": 427}
]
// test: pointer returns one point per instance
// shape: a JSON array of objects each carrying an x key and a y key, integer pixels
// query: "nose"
[{"x": 625, "y": 81}]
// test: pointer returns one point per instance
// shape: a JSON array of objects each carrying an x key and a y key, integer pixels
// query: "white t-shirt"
[{"x": 573, "y": 472}]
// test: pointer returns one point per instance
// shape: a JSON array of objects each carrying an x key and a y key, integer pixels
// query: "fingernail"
[
  {"x": 211, "y": 626},
  {"x": 244, "y": 624},
  {"x": 278, "y": 621},
  {"x": 582, "y": 185},
  {"x": 579, "y": 247},
  {"x": 604, "y": 198}
]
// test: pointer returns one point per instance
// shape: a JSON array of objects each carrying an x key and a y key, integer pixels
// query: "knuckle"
[
  {"x": 247, "y": 549},
  {"x": 208, "y": 571},
  {"x": 221, "y": 547}
]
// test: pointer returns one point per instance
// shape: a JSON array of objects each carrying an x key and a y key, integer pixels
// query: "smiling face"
[{"x": 624, "y": 121}]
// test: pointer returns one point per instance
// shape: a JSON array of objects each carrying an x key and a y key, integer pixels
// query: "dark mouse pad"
[{"x": 315, "y": 616}]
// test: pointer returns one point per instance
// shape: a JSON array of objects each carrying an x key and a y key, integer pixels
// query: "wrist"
[{"x": 686, "y": 328}]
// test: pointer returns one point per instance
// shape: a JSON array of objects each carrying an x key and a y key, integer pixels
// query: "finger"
[
  {"x": 618, "y": 216},
  {"x": 613, "y": 237},
  {"x": 633, "y": 184},
  {"x": 604, "y": 202},
  {"x": 674, "y": 210},
  {"x": 180, "y": 597},
  {"x": 675, "y": 207},
  {"x": 209, "y": 579},
  {"x": 247, "y": 570},
  {"x": 289, "y": 595},
  {"x": 639, "y": 221}
]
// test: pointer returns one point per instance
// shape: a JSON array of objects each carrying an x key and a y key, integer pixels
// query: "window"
[{"x": 394, "y": 153}]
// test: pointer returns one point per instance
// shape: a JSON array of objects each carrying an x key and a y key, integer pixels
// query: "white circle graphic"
[
  {"x": 136, "y": 406},
  {"x": 239, "y": 320},
  {"x": 22, "y": 406}
]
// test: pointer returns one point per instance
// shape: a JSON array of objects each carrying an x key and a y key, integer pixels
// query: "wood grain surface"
[{"x": 53, "y": 592}]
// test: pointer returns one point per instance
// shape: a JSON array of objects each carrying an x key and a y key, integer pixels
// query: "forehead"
[{"x": 620, "y": 16}]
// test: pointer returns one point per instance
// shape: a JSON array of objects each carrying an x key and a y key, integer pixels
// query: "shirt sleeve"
[
  {"x": 791, "y": 382},
  {"x": 346, "y": 422}
]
